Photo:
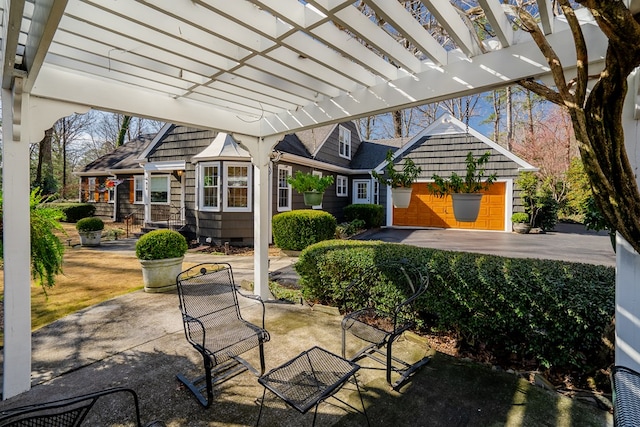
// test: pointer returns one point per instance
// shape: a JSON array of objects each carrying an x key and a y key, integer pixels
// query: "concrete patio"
[{"x": 137, "y": 341}]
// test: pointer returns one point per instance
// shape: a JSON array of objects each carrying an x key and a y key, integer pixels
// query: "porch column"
[
  {"x": 146, "y": 196},
  {"x": 24, "y": 120},
  {"x": 260, "y": 150},
  {"x": 627, "y": 352},
  {"x": 16, "y": 375}
]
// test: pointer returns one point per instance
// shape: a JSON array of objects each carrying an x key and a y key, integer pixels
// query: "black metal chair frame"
[
  {"x": 393, "y": 323},
  {"x": 214, "y": 326},
  {"x": 69, "y": 412},
  {"x": 625, "y": 384}
]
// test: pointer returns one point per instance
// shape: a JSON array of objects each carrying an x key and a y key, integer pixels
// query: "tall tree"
[
  {"x": 66, "y": 132},
  {"x": 596, "y": 115},
  {"x": 44, "y": 169}
]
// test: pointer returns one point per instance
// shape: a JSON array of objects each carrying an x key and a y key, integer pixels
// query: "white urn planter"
[
  {"x": 401, "y": 197},
  {"x": 159, "y": 275},
  {"x": 90, "y": 238},
  {"x": 466, "y": 206}
]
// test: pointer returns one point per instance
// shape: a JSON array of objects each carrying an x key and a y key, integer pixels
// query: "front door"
[{"x": 361, "y": 191}]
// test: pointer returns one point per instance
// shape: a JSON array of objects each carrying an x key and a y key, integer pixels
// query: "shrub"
[
  {"x": 520, "y": 217},
  {"x": 72, "y": 212},
  {"x": 295, "y": 230},
  {"x": 161, "y": 244},
  {"x": 89, "y": 224},
  {"x": 372, "y": 215},
  {"x": 347, "y": 229},
  {"x": 551, "y": 311}
]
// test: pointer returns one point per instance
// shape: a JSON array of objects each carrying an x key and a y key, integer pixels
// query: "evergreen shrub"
[
  {"x": 295, "y": 230},
  {"x": 72, "y": 212},
  {"x": 92, "y": 223},
  {"x": 161, "y": 244},
  {"x": 372, "y": 215},
  {"x": 553, "y": 312}
]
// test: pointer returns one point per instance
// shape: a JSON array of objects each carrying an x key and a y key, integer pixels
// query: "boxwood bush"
[
  {"x": 295, "y": 230},
  {"x": 553, "y": 312},
  {"x": 372, "y": 215},
  {"x": 161, "y": 244},
  {"x": 72, "y": 212},
  {"x": 92, "y": 223}
]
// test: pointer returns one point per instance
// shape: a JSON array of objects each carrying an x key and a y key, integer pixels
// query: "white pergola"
[{"x": 255, "y": 68}]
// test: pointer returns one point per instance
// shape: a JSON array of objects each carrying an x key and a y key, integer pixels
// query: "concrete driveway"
[{"x": 568, "y": 242}]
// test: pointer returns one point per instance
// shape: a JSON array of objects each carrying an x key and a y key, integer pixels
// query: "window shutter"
[{"x": 132, "y": 189}]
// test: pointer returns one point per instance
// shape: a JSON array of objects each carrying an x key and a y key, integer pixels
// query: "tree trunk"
[
  {"x": 44, "y": 171},
  {"x": 397, "y": 123}
]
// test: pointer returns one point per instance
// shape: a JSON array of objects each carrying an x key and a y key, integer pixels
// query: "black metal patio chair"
[
  {"x": 625, "y": 384},
  {"x": 379, "y": 306},
  {"x": 214, "y": 326},
  {"x": 107, "y": 407}
]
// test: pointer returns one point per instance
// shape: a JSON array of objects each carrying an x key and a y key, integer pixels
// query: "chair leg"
[
  {"x": 364, "y": 410},
  {"x": 262, "y": 365},
  {"x": 261, "y": 405},
  {"x": 196, "y": 390},
  {"x": 209, "y": 378},
  {"x": 344, "y": 337},
  {"x": 389, "y": 359}
]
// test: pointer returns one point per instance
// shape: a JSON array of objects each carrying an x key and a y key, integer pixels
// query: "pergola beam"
[
  {"x": 498, "y": 19},
  {"x": 449, "y": 18},
  {"x": 44, "y": 22},
  {"x": 11, "y": 23},
  {"x": 545, "y": 9},
  {"x": 457, "y": 79}
]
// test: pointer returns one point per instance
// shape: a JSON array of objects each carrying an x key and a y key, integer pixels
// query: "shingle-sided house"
[
  {"x": 201, "y": 181},
  {"x": 441, "y": 148},
  {"x": 98, "y": 179}
]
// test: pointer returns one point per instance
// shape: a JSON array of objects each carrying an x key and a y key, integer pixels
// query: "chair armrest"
[
  {"x": 188, "y": 321},
  {"x": 255, "y": 298}
]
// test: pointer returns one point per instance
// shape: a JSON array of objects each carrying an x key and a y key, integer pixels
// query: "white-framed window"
[
  {"x": 91, "y": 190},
  {"x": 209, "y": 186},
  {"x": 111, "y": 194},
  {"x": 344, "y": 142},
  {"x": 237, "y": 187},
  {"x": 138, "y": 189},
  {"x": 284, "y": 188},
  {"x": 342, "y": 186},
  {"x": 159, "y": 189}
]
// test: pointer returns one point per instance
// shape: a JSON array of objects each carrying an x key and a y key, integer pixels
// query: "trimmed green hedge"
[
  {"x": 161, "y": 244},
  {"x": 295, "y": 230},
  {"x": 92, "y": 223},
  {"x": 372, "y": 215},
  {"x": 551, "y": 311},
  {"x": 72, "y": 212}
]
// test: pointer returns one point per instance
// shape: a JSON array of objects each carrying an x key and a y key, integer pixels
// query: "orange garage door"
[{"x": 427, "y": 210}]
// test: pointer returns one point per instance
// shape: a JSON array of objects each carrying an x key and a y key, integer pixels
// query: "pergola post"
[
  {"x": 260, "y": 150},
  {"x": 627, "y": 351},
  {"x": 24, "y": 120},
  {"x": 16, "y": 376}
]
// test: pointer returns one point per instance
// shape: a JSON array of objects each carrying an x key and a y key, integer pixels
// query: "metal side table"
[{"x": 310, "y": 378}]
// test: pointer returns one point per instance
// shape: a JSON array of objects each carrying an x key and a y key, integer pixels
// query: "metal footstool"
[{"x": 310, "y": 378}]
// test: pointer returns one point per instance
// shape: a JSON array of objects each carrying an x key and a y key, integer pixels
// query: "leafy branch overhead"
[
  {"x": 472, "y": 182},
  {"x": 394, "y": 178}
]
